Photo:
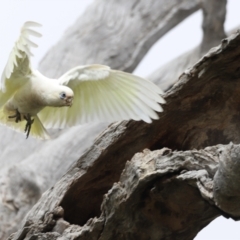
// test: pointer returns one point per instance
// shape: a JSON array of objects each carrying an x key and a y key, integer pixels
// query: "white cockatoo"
[{"x": 31, "y": 102}]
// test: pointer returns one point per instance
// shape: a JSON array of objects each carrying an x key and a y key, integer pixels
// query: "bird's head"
[
  {"x": 66, "y": 97},
  {"x": 55, "y": 95},
  {"x": 60, "y": 97}
]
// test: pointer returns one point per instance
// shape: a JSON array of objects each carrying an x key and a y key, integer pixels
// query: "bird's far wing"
[
  {"x": 18, "y": 66},
  {"x": 103, "y": 94}
]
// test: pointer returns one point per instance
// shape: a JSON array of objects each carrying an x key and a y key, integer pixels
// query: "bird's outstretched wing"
[
  {"x": 18, "y": 66},
  {"x": 103, "y": 94}
]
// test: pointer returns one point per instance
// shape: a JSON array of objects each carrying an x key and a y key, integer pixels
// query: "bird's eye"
[{"x": 62, "y": 95}]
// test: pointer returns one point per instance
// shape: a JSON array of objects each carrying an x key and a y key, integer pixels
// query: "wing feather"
[
  {"x": 18, "y": 66},
  {"x": 149, "y": 97},
  {"x": 102, "y": 94}
]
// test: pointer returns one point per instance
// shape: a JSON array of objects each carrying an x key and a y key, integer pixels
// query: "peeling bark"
[
  {"x": 202, "y": 110},
  {"x": 153, "y": 189},
  {"x": 90, "y": 40},
  {"x": 168, "y": 194}
]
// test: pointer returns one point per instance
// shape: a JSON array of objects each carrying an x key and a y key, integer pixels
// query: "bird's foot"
[
  {"x": 28, "y": 124},
  {"x": 17, "y": 116}
]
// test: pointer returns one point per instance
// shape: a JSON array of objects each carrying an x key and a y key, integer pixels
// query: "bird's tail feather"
[{"x": 37, "y": 129}]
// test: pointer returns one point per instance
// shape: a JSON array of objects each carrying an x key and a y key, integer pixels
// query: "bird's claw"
[
  {"x": 28, "y": 124},
  {"x": 27, "y": 117},
  {"x": 17, "y": 116}
]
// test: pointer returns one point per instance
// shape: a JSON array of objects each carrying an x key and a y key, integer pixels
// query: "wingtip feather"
[{"x": 20, "y": 49}]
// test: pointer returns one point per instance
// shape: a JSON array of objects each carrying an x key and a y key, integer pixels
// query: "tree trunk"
[
  {"x": 213, "y": 32},
  {"x": 77, "y": 196},
  {"x": 169, "y": 194}
]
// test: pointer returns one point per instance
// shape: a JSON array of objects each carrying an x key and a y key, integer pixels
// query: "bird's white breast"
[{"x": 28, "y": 99}]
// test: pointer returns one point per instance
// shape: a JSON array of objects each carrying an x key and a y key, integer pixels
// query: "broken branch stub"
[{"x": 227, "y": 181}]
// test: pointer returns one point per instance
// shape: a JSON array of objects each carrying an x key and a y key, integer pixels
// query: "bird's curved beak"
[{"x": 69, "y": 101}]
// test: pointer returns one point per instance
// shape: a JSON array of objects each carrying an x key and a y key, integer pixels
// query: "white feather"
[
  {"x": 105, "y": 95},
  {"x": 20, "y": 50},
  {"x": 100, "y": 93}
]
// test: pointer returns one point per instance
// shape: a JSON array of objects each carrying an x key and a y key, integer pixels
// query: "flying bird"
[{"x": 32, "y": 103}]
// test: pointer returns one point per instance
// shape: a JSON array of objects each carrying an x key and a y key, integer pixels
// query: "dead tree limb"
[
  {"x": 171, "y": 188},
  {"x": 116, "y": 33},
  {"x": 213, "y": 32},
  {"x": 104, "y": 34}
]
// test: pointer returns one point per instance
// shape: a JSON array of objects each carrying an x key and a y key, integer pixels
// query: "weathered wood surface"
[
  {"x": 105, "y": 38},
  {"x": 21, "y": 184},
  {"x": 116, "y": 33},
  {"x": 159, "y": 190},
  {"x": 213, "y": 31},
  {"x": 80, "y": 191}
]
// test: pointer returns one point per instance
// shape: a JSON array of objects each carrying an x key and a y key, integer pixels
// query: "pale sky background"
[{"x": 57, "y": 15}]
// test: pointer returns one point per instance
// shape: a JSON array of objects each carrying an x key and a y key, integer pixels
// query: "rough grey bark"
[
  {"x": 226, "y": 181},
  {"x": 213, "y": 27},
  {"x": 169, "y": 194},
  {"x": 53, "y": 156},
  {"x": 22, "y": 184},
  {"x": 38, "y": 165},
  {"x": 119, "y": 35}
]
